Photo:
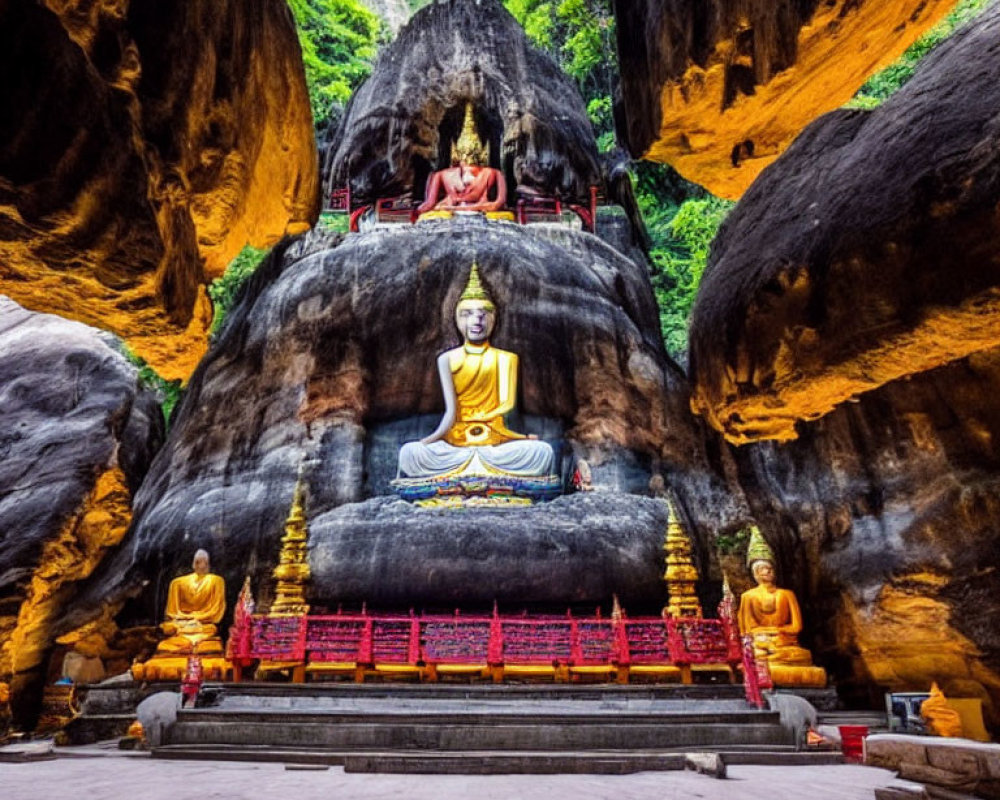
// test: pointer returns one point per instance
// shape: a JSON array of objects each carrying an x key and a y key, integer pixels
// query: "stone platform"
[{"x": 580, "y": 548}]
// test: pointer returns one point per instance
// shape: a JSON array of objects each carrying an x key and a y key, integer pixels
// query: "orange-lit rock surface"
[
  {"x": 886, "y": 519},
  {"x": 142, "y": 145},
  {"x": 77, "y": 437},
  {"x": 699, "y": 78},
  {"x": 866, "y": 253}
]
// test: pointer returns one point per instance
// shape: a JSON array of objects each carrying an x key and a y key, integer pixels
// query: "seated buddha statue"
[
  {"x": 479, "y": 383},
  {"x": 772, "y": 617},
  {"x": 466, "y": 185},
  {"x": 195, "y": 605}
]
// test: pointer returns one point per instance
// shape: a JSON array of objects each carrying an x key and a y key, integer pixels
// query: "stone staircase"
[{"x": 481, "y": 729}]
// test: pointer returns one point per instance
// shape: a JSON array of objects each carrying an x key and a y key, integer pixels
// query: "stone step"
[
  {"x": 431, "y": 762},
  {"x": 477, "y": 715},
  {"x": 485, "y": 733},
  {"x": 491, "y": 762},
  {"x": 597, "y": 692}
]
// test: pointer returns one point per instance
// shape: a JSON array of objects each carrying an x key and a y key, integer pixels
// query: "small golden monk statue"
[
  {"x": 940, "y": 718},
  {"x": 195, "y": 605},
  {"x": 467, "y": 184},
  {"x": 479, "y": 383},
  {"x": 773, "y": 618}
]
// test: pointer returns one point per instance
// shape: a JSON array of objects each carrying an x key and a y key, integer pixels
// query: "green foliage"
[
  {"x": 579, "y": 35},
  {"x": 339, "y": 223},
  {"x": 339, "y": 40},
  {"x": 681, "y": 218},
  {"x": 726, "y": 543},
  {"x": 880, "y": 86},
  {"x": 223, "y": 290},
  {"x": 681, "y": 234},
  {"x": 167, "y": 392}
]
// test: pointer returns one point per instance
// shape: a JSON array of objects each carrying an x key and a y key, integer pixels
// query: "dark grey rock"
[
  {"x": 400, "y": 123},
  {"x": 327, "y": 360},
  {"x": 582, "y": 548},
  {"x": 72, "y": 409},
  {"x": 866, "y": 253}
]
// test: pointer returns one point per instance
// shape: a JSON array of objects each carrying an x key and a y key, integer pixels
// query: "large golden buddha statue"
[
  {"x": 773, "y": 618},
  {"x": 467, "y": 184},
  {"x": 195, "y": 605},
  {"x": 479, "y": 383}
]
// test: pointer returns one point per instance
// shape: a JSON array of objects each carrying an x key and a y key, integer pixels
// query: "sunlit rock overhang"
[
  {"x": 143, "y": 145},
  {"x": 699, "y": 80},
  {"x": 868, "y": 252}
]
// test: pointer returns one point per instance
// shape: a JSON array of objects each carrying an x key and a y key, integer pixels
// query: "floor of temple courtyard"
[{"x": 105, "y": 774}]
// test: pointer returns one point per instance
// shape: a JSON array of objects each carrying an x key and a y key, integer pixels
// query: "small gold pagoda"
[
  {"x": 292, "y": 571},
  {"x": 681, "y": 574}
]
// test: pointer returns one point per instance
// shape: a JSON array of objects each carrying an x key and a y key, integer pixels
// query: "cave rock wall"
[{"x": 143, "y": 143}]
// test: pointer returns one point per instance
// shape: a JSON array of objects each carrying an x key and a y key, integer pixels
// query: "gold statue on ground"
[
  {"x": 940, "y": 718},
  {"x": 773, "y": 618},
  {"x": 195, "y": 605}
]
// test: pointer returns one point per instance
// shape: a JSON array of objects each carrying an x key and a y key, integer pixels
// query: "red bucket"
[{"x": 852, "y": 741}]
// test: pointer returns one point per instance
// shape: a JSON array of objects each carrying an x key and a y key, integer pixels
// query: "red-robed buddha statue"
[{"x": 469, "y": 184}]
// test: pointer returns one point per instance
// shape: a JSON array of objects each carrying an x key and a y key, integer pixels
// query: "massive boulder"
[
  {"x": 866, "y": 253},
  {"x": 886, "y": 519},
  {"x": 328, "y": 361},
  {"x": 142, "y": 145},
  {"x": 401, "y": 122},
  {"x": 78, "y": 434},
  {"x": 700, "y": 80}
]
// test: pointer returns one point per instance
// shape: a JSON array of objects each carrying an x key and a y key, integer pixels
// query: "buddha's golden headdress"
[
  {"x": 758, "y": 549},
  {"x": 474, "y": 290},
  {"x": 469, "y": 148}
]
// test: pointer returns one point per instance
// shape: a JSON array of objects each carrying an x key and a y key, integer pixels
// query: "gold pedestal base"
[
  {"x": 797, "y": 676},
  {"x": 174, "y": 668}
]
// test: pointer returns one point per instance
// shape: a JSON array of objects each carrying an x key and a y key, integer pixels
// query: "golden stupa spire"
[
  {"x": 474, "y": 289},
  {"x": 681, "y": 574},
  {"x": 758, "y": 549},
  {"x": 469, "y": 148},
  {"x": 292, "y": 571}
]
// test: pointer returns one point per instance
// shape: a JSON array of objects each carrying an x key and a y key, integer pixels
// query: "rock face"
[
  {"x": 701, "y": 79},
  {"x": 885, "y": 517},
  {"x": 142, "y": 145},
  {"x": 400, "y": 123},
  {"x": 77, "y": 437},
  {"x": 864, "y": 254},
  {"x": 329, "y": 358},
  {"x": 577, "y": 549},
  {"x": 394, "y": 13}
]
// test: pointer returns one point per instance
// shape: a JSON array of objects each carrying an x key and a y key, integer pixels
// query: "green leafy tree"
[
  {"x": 223, "y": 290},
  {"x": 339, "y": 40},
  {"x": 882, "y": 85},
  {"x": 682, "y": 236},
  {"x": 580, "y": 35},
  {"x": 167, "y": 392}
]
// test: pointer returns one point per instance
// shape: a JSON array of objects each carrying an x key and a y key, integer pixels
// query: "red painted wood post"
[
  {"x": 575, "y": 648},
  {"x": 494, "y": 650},
  {"x": 413, "y": 652},
  {"x": 365, "y": 645}
]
